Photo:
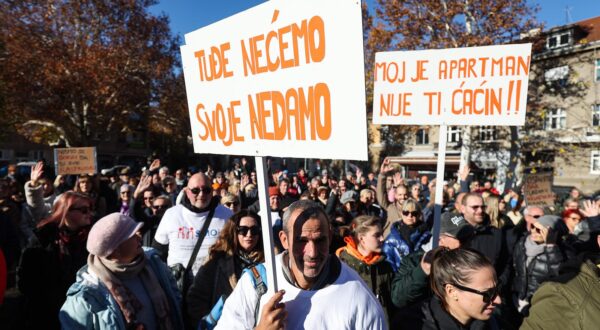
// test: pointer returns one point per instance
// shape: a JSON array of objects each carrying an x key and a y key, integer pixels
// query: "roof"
[
  {"x": 594, "y": 25},
  {"x": 590, "y": 27}
]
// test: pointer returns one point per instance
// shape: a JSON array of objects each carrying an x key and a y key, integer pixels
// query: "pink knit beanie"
[{"x": 109, "y": 232}]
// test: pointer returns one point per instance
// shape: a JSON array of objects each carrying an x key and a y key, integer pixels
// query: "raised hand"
[
  {"x": 144, "y": 184},
  {"x": 464, "y": 172},
  {"x": 37, "y": 171},
  {"x": 155, "y": 165},
  {"x": 398, "y": 179},
  {"x": 385, "y": 166},
  {"x": 590, "y": 209}
]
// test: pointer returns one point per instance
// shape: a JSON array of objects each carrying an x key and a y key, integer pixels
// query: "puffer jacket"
[
  {"x": 90, "y": 305},
  {"x": 544, "y": 266},
  {"x": 396, "y": 246}
]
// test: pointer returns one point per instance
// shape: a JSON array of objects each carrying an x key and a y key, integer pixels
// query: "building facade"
[{"x": 562, "y": 133}]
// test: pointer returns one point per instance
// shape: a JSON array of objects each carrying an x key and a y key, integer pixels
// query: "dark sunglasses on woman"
[
  {"x": 413, "y": 213},
  {"x": 488, "y": 295},
  {"x": 243, "y": 230}
]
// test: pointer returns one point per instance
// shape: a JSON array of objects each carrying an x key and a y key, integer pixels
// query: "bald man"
[{"x": 179, "y": 229}]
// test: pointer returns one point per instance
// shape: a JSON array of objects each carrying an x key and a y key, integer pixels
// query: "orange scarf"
[{"x": 351, "y": 248}]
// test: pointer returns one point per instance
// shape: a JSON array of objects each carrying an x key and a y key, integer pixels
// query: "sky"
[{"x": 189, "y": 15}]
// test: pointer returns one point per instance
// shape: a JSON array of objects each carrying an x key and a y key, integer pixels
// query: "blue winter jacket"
[
  {"x": 395, "y": 247},
  {"x": 89, "y": 304}
]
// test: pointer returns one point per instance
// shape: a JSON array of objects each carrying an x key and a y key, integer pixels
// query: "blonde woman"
[{"x": 363, "y": 253}]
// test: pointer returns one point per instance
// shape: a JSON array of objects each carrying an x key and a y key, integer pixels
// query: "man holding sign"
[{"x": 312, "y": 284}]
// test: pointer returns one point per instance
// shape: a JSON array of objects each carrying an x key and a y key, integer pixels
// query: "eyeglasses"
[
  {"x": 159, "y": 207},
  {"x": 196, "y": 191},
  {"x": 413, "y": 213},
  {"x": 243, "y": 230},
  {"x": 82, "y": 209},
  {"x": 230, "y": 204},
  {"x": 488, "y": 295}
]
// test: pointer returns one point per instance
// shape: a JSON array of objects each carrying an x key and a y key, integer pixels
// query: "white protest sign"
[
  {"x": 460, "y": 86},
  {"x": 285, "y": 79}
]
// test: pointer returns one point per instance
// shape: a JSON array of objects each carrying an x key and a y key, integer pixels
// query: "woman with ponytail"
[
  {"x": 465, "y": 293},
  {"x": 363, "y": 253}
]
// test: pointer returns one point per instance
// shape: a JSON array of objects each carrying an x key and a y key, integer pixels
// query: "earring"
[{"x": 455, "y": 298}]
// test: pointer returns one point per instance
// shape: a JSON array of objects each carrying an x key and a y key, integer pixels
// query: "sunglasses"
[
  {"x": 536, "y": 229},
  {"x": 230, "y": 204},
  {"x": 537, "y": 216},
  {"x": 196, "y": 191},
  {"x": 83, "y": 209},
  {"x": 159, "y": 207},
  {"x": 413, "y": 213},
  {"x": 148, "y": 198},
  {"x": 488, "y": 295},
  {"x": 243, "y": 230}
]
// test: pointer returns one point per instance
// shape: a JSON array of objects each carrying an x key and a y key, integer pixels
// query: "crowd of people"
[{"x": 152, "y": 250}]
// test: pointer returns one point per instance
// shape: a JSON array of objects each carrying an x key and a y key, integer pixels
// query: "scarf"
[
  {"x": 71, "y": 242},
  {"x": 352, "y": 249},
  {"x": 247, "y": 260},
  {"x": 124, "y": 208},
  {"x": 110, "y": 273},
  {"x": 532, "y": 249}
]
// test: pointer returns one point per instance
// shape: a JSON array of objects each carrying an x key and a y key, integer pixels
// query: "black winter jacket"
[
  {"x": 45, "y": 274},
  {"x": 543, "y": 267},
  {"x": 432, "y": 316},
  {"x": 490, "y": 242}
]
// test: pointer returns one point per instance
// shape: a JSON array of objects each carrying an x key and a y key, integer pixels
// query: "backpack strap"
[{"x": 259, "y": 280}]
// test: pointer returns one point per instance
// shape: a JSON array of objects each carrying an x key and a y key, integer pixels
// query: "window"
[
  {"x": 454, "y": 134},
  {"x": 598, "y": 70},
  {"x": 595, "y": 163},
  {"x": 559, "y": 40},
  {"x": 555, "y": 119},
  {"x": 558, "y": 75},
  {"x": 596, "y": 115},
  {"x": 37, "y": 154},
  {"x": 487, "y": 133},
  {"x": 422, "y": 136}
]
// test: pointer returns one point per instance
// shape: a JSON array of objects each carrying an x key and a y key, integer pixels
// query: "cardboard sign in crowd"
[
  {"x": 285, "y": 78},
  {"x": 75, "y": 160},
  {"x": 537, "y": 189}
]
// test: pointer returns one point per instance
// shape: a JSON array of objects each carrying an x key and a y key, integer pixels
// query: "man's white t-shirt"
[
  {"x": 345, "y": 304},
  {"x": 180, "y": 227}
]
